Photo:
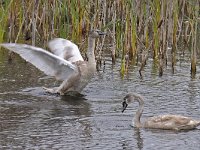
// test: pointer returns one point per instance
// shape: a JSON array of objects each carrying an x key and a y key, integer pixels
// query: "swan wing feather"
[
  {"x": 175, "y": 122},
  {"x": 65, "y": 49},
  {"x": 176, "y": 119},
  {"x": 47, "y": 62}
]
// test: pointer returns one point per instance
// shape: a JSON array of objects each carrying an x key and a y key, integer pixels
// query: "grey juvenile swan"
[
  {"x": 65, "y": 63},
  {"x": 169, "y": 122}
]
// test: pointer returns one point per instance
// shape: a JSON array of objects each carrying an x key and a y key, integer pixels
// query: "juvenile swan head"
[{"x": 128, "y": 99}]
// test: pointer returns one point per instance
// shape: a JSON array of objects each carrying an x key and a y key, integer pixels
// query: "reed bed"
[{"x": 137, "y": 29}]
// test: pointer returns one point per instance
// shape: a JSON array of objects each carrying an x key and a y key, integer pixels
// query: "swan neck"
[
  {"x": 90, "y": 52},
  {"x": 139, "y": 112}
]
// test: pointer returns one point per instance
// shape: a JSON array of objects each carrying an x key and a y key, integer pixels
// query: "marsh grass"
[{"x": 136, "y": 29}]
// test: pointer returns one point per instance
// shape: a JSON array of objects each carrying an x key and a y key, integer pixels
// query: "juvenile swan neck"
[
  {"x": 90, "y": 52},
  {"x": 138, "y": 114}
]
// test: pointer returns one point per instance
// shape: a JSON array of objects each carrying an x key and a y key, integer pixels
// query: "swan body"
[
  {"x": 168, "y": 122},
  {"x": 65, "y": 63}
]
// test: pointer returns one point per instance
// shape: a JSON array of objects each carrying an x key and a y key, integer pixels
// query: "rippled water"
[{"x": 31, "y": 119}]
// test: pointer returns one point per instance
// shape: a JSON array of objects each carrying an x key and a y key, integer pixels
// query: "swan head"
[
  {"x": 128, "y": 99},
  {"x": 96, "y": 33}
]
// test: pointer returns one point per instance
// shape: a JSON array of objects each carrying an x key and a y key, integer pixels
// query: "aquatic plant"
[{"x": 139, "y": 29}]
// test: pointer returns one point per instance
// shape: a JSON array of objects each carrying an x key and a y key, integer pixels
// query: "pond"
[{"x": 32, "y": 119}]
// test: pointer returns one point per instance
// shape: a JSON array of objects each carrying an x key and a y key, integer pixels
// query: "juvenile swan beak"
[
  {"x": 124, "y": 105},
  {"x": 101, "y": 33}
]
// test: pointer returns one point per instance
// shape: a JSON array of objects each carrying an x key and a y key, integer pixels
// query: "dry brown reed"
[{"x": 137, "y": 28}]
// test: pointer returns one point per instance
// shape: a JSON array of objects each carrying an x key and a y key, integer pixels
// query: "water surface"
[{"x": 32, "y": 119}]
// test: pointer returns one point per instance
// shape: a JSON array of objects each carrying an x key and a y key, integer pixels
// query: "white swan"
[
  {"x": 65, "y": 63},
  {"x": 170, "y": 122}
]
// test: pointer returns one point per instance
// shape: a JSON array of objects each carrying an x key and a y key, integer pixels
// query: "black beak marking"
[
  {"x": 124, "y": 105},
  {"x": 102, "y": 33}
]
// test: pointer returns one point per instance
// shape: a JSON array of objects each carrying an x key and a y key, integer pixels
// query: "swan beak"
[
  {"x": 101, "y": 33},
  {"x": 124, "y": 104}
]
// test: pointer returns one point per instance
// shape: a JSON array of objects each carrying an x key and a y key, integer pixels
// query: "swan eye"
[{"x": 124, "y": 105}]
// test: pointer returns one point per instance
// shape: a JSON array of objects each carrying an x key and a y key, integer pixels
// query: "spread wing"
[
  {"x": 65, "y": 49},
  {"x": 47, "y": 62}
]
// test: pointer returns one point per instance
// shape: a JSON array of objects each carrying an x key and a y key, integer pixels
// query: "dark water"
[{"x": 31, "y": 119}]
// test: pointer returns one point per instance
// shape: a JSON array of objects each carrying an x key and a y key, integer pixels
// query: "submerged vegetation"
[{"x": 140, "y": 29}]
